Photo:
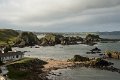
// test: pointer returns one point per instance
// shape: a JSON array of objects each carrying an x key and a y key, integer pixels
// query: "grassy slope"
[
  {"x": 24, "y": 69},
  {"x": 7, "y": 35}
]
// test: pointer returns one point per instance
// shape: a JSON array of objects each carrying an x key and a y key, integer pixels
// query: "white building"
[{"x": 11, "y": 56}]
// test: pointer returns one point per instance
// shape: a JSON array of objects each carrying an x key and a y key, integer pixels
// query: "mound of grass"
[
  {"x": 25, "y": 69},
  {"x": 7, "y": 36}
]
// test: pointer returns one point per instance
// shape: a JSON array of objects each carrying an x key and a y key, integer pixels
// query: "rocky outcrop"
[
  {"x": 91, "y": 39},
  {"x": 101, "y": 63},
  {"x": 50, "y": 40},
  {"x": 112, "y": 54},
  {"x": 71, "y": 40},
  {"x": 26, "y": 39},
  {"x": 78, "y": 58},
  {"x": 53, "y": 39},
  {"x": 90, "y": 62}
]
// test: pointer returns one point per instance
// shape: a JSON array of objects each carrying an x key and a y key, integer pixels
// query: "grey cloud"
[
  {"x": 59, "y": 14},
  {"x": 74, "y": 9}
]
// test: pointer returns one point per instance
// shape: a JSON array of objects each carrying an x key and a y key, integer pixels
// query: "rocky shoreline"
[
  {"x": 57, "y": 64},
  {"x": 36, "y": 69}
]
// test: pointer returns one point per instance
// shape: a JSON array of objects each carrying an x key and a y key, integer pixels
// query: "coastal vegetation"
[
  {"x": 7, "y": 36},
  {"x": 27, "y": 69}
]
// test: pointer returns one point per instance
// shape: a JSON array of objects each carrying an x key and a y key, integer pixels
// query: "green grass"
[
  {"x": 23, "y": 60},
  {"x": 18, "y": 74},
  {"x": 25, "y": 68},
  {"x": 7, "y": 35}
]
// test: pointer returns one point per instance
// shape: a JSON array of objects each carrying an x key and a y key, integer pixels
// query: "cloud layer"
[{"x": 60, "y": 15}]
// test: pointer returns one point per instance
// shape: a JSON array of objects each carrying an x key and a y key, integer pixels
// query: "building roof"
[{"x": 11, "y": 54}]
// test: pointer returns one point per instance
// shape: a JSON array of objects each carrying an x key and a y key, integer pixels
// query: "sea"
[{"x": 60, "y": 52}]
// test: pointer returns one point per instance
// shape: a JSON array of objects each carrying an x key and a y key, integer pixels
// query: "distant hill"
[
  {"x": 80, "y": 33},
  {"x": 7, "y": 35},
  {"x": 109, "y": 33}
]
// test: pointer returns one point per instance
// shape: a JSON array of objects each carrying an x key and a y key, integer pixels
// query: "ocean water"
[
  {"x": 60, "y": 52},
  {"x": 65, "y": 52},
  {"x": 82, "y": 73}
]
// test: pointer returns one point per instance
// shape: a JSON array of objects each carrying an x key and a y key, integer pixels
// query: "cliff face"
[{"x": 26, "y": 39}]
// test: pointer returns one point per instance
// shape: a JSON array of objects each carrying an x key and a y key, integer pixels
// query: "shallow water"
[
  {"x": 65, "y": 52},
  {"x": 85, "y": 74}
]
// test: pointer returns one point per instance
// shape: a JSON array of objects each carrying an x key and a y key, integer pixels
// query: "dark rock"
[
  {"x": 78, "y": 58},
  {"x": 26, "y": 39}
]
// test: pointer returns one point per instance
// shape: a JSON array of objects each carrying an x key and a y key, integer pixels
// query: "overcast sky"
[{"x": 60, "y": 15}]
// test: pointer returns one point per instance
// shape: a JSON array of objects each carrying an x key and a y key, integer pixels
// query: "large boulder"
[
  {"x": 51, "y": 40},
  {"x": 100, "y": 63},
  {"x": 78, "y": 58},
  {"x": 91, "y": 39},
  {"x": 26, "y": 39}
]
